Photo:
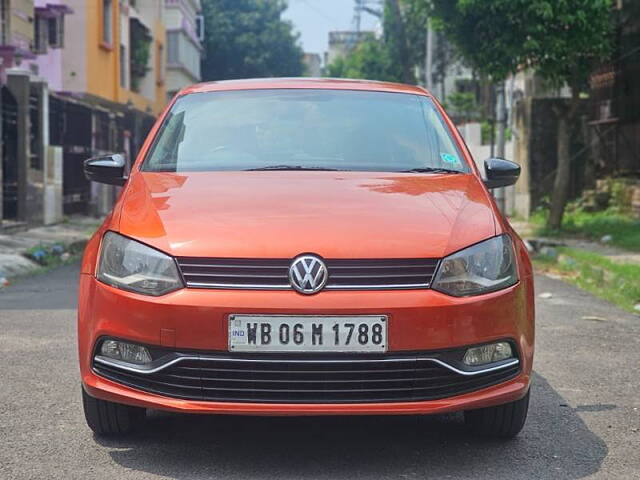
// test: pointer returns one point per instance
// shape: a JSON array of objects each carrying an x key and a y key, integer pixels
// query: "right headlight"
[
  {"x": 482, "y": 268},
  {"x": 133, "y": 266}
]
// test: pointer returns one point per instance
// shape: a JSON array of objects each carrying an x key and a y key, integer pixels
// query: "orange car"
[{"x": 305, "y": 247}]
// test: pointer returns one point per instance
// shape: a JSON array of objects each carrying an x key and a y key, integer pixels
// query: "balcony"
[{"x": 183, "y": 54}]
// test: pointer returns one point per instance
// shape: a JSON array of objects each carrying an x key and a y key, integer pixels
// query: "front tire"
[
  {"x": 502, "y": 421},
  {"x": 108, "y": 418}
]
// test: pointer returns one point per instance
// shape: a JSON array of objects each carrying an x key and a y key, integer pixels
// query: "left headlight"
[
  {"x": 482, "y": 268},
  {"x": 130, "y": 265}
]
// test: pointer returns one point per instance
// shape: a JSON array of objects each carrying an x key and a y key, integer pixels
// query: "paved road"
[{"x": 584, "y": 419}]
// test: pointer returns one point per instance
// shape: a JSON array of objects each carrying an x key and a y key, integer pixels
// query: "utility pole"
[
  {"x": 501, "y": 119},
  {"x": 358, "y": 15},
  {"x": 428, "y": 58}
]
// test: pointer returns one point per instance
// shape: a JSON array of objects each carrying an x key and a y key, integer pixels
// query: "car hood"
[{"x": 283, "y": 214}]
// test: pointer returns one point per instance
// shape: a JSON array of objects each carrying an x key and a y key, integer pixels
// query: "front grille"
[
  {"x": 273, "y": 274},
  {"x": 276, "y": 379}
]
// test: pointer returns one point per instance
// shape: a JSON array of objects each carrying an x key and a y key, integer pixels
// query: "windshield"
[{"x": 304, "y": 129}]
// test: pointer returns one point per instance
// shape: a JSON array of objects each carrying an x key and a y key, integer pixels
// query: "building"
[
  {"x": 342, "y": 42},
  {"x": 313, "y": 64},
  {"x": 443, "y": 72},
  {"x": 79, "y": 78},
  {"x": 115, "y": 53},
  {"x": 113, "y": 87},
  {"x": 27, "y": 29},
  {"x": 185, "y": 34},
  {"x": 16, "y": 31},
  {"x": 614, "y": 110}
]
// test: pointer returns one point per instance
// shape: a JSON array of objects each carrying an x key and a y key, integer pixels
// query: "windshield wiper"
[
  {"x": 430, "y": 170},
  {"x": 291, "y": 167}
]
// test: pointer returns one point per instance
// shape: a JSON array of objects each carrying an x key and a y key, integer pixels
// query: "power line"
[{"x": 320, "y": 12}]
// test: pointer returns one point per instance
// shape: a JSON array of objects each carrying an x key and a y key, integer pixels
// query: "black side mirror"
[
  {"x": 501, "y": 172},
  {"x": 107, "y": 169}
]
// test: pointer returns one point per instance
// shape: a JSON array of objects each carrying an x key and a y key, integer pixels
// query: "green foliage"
[
  {"x": 561, "y": 39},
  {"x": 624, "y": 230},
  {"x": 416, "y": 16},
  {"x": 462, "y": 104},
  {"x": 140, "y": 53},
  {"x": 615, "y": 282},
  {"x": 396, "y": 41},
  {"x": 370, "y": 60},
  {"x": 485, "y": 129},
  {"x": 393, "y": 57},
  {"x": 248, "y": 39}
]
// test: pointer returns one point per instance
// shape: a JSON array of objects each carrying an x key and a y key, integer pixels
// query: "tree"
[
  {"x": 395, "y": 38},
  {"x": 370, "y": 59},
  {"x": 463, "y": 105},
  {"x": 392, "y": 57},
  {"x": 249, "y": 39},
  {"x": 563, "y": 40}
]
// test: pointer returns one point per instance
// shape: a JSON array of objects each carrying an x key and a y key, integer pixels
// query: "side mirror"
[
  {"x": 107, "y": 169},
  {"x": 501, "y": 172}
]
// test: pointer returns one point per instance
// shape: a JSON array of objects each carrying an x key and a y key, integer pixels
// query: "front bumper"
[{"x": 196, "y": 320}]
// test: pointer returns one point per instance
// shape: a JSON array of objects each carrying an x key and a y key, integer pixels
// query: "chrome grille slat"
[
  {"x": 273, "y": 274},
  {"x": 377, "y": 275},
  {"x": 203, "y": 265},
  {"x": 230, "y": 275},
  {"x": 307, "y": 379},
  {"x": 381, "y": 266}
]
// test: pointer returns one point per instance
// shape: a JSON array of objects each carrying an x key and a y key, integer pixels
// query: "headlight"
[
  {"x": 130, "y": 265},
  {"x": 482, "y": 268}
]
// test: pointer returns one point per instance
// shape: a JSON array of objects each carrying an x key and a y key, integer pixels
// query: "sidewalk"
[
  {"x": 64, "y": 239},
  {"x": 618, "y": 255},
  {"x": 606, "y": 271}
]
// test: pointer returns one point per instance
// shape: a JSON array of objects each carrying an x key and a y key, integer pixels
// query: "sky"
[{"x": 314, "y": 19}]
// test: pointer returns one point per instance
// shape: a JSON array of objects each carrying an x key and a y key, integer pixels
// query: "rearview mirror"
[
  {"x": 107, "y": 169},
  {"x": 501, "y": 172}
]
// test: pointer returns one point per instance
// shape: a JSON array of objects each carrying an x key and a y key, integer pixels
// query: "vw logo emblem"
[{"x": 308, "y": 274}]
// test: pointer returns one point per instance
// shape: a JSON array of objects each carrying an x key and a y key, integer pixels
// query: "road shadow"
[{"x": 555, "y": 443}]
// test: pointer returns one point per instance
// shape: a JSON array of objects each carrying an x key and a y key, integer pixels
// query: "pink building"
[{"x": 48, "y": 41}]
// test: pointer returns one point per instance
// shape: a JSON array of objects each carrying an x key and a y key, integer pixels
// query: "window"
[
  {"x": 107, "y": 22},
  {"x": 4, "y": 22},
  {"x": 200, "y": 27},
  {"x": 124, "y": 73},
  {"x": 173, "y": 47},
  {"x": 40, "y": 38},
  {"x": 55, "y": 27},
  {"x": 343, "y": 130},
  {"x": 183, "y": 53}
]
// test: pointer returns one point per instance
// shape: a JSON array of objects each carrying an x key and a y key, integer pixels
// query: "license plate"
[{"x": 262, "y": 333}]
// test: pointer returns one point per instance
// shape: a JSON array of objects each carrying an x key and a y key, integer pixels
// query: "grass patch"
[
  {"x": 54, "y": 255},
  {"x": 618, "y": 283},
  {"x": 624, "y": 230}
]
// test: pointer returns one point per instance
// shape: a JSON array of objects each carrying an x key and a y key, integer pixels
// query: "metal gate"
[
  {"x": 76, "y": 189},
  {"x": 35, "y": 134},
  {"x": 9, "y": 155}
]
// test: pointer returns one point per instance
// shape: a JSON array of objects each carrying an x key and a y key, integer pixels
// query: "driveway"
[{"x": 584, "y": 419}]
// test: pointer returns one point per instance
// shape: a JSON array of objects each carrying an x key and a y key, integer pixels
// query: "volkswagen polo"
[{"x": 305, "y": 247}]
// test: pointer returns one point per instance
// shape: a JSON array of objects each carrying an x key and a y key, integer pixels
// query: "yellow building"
[
  {"x": 112, "y": 88},
  {"x": 115, "y": 51}
]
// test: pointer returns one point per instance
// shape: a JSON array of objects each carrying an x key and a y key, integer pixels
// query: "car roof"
[{"x": 303, "y": 83}]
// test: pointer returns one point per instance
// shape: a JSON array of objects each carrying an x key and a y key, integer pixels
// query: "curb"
[{"x": 19, "y": 263}]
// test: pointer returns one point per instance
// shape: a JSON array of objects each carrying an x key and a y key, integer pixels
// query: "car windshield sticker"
[{"x": 448, "y": 158}]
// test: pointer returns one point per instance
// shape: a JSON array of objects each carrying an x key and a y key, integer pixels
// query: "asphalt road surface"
[{"x": 584, "y": 419}]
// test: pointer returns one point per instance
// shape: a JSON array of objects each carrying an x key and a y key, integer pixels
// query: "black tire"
[
  {"x": 108, "y": 418},
  {"x": 503, "y": 421}
]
